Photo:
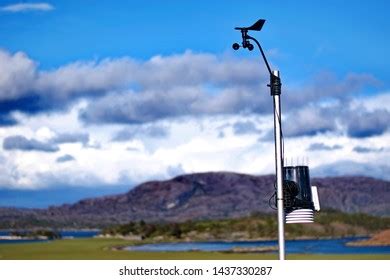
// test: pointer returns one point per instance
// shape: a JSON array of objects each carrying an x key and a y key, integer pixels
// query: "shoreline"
[
  {"x": 154, "y": 241},
  {"x": 258, "y": 249}
]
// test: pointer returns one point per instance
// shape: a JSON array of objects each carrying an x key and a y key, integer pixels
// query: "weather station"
[{"x": 296, "y": 199}]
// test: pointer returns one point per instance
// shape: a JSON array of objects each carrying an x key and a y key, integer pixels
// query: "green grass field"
[{"x": 102, "y": 249}]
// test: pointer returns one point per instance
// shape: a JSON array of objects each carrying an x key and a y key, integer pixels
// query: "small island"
[{"x": 380, "y": 239}]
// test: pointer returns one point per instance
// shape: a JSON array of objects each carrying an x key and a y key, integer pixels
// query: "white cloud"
[
  {"x": 26, "y": 7},
  {"x": 192, "y": 145},
  {"x": 189, "y": 99},
  {"x": 125, "y": 90},
  {"x": 188, "y": 70},
  {"x": 20, "y": 76},
  {"x": 89, "y": 77},
  {"x": 175, "y": 85},
  {"x": 65, "y": 158},
  {"x": 310, "y": 120},
  {"x": 372, "y": 102},
  {"x": 17, "y": 74},
  {"x": 347, "y": 167}
]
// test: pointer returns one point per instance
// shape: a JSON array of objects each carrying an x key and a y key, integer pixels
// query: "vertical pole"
[{"x": 275, "y": 92}]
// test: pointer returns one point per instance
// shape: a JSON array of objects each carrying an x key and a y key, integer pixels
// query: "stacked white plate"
[{"x": 300, "y": 216}]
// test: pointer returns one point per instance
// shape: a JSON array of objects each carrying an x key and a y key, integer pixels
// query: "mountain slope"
[{"x": 211, "y": 195}]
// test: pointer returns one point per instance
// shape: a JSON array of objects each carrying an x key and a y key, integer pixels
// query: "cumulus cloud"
[
  {"x": 310, "y": 121},
  {"x": 150, "y": 106},
  {"x": 192, "y": 145},
  {"x": 246, "y": 127},
  {"x": 175, "y": 85},
  {"x": 19, "y": 142},
  {"x": 151, "y": 131},
  {"x": 184, "y": 70},
  {"x": 364, "y": 150},
  {"x": 199, "y": 94},
  {"x": 26, "y": 7},
  {"x": 138, "y": 108},
  {"x": 70, "y": 138},
  {"x": 125, "y": 90},
  {"x": 65, "y": 158},
  {"x": 323, "y": 147},
  {"x": 23, "y": 87},
  {"x": 193, "y": 69},
  {"x": 366, "y": 124},
  {"x": 337, "y": 118},
  {"x": 326, "y": 86},
  {"x": 346, "y": 167},
  {"x": 86, "y": 78},
  {"x": 17, "y": 74}
]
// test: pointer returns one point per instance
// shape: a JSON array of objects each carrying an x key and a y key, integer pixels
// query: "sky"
[{"x": 98, "y": 96}]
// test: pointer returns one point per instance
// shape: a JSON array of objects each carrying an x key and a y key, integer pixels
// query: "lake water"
[
  {"x": 328, "y": 246},
  {"x": 64, "y": 234}
]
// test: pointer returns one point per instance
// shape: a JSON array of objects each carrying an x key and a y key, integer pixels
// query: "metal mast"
[{"x": 276, "y": 89}]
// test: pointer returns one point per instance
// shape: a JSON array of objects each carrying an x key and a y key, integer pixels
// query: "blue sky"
[
  {"x": 309, "y": 36},
  {"x": 98, "y": 94}
]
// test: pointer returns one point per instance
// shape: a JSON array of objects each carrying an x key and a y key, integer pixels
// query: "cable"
[
  {"x": 247, "y": 37},
  {"x": 281, "y": 133},
  {"x": 269, "y": 202},
  {"x": 279, "y": 119}
]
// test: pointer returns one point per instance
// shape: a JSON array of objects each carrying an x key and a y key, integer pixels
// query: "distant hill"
[{"x": 212, "y": 195}]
